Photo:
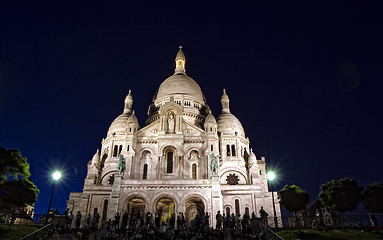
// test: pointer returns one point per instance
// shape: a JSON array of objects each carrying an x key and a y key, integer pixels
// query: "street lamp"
[
  {"x": 56, "y": 175},
  {"x": 271, "y": 176}
]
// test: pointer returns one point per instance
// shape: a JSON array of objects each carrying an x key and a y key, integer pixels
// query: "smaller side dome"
[
  {"x": 119, "y": 125},
  {"x": 133, "y": 118},
  {"x": 229, "y": 124},
  {"x": 252, "y": 158},
  {"x": 96, "y": 158},
  {"x": 210, "y": 119}
]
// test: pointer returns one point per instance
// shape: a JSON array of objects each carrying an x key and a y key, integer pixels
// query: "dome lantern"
[{"x": 180, "y": 62}]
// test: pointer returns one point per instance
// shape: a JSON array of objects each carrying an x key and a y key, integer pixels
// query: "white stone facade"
[{"x": 168, "y": 161}]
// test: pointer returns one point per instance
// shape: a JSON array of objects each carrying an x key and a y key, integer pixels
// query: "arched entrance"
[
  {"x": 136, "y": 205},
  {"x": 194, "y": 206},
  {"x": 165, "y": 207}
]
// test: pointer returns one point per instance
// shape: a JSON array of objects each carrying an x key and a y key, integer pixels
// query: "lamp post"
[
  {"x": 271, "y": 177},
  {"x": 56, "y": 177}
]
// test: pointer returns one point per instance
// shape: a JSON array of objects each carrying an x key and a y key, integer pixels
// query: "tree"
[
  {"x": 12, "y": 163},
  {"x": 372, "y": 198},
  {"x": 293, "y": 199},
  {"x": 17, "y": 193},
  {"x": 16, "y": 187},
  {"x": 340, "y": 195}
]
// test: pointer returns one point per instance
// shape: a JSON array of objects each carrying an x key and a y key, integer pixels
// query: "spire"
[
  {"x": 128, "y": 103},
  {"x": 180, "y": 62},
  {"x": 225, "y": 102}
]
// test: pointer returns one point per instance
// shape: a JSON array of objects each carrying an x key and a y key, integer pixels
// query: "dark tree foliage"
[
  {"x": 17, "y": 193},
  {"x": 12, "y": 164},
  {"x": 293, "y": 198},
  {"x": 372, "y": 197},
  {"x": 340, "y": 195},
  {"x": 16, "y": 187}
]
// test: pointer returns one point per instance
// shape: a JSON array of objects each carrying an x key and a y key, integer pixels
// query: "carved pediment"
[{"x": 150, "y": 130}]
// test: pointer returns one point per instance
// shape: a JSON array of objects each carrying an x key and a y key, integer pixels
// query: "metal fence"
[
  {"x": 42, "y": 233},
  {"x": 328, "y": 221}
]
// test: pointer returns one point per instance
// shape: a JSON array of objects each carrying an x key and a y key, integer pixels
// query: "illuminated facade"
[{"x": 169, "y": 160}]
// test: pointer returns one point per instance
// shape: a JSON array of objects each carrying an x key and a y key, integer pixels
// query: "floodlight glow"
[
  {"x": 270, "y": 176},
  {"x": 56, "y": 175}
]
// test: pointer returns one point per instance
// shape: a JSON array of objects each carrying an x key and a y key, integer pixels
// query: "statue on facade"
[
  {"x": 121, "y": 166},
  {"x": 171, "y": 123},
  {"x": 214, "y": 164}
]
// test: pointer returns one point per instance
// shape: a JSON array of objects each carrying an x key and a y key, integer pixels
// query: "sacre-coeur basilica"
[{"x": 183, "y": 161}]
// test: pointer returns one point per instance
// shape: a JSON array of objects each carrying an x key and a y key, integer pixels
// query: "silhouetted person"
[
  {"x": 96, "y": 218},
  {"x": 88, "y": 221},
  {"x": 70, "y": 219},
  {"x": 179, "y": 222},
  {"x": 117, "y": 220},
  {"x": 264, "y": 216},
  {"x": 78, "y": 219},
  {"x": 125, "y": 219},
  {"x": 172, "y": 221},
  {"x": 245, "y": 221}
]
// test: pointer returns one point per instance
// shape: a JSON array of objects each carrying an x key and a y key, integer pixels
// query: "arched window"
[
  {"x": 194, "y": 171},
  {"x": 95, "y": 211},
  {"x": 119, "y": 150},
  {"x": 237, "y": 212},
  {"x": 228, "y": 150},
  {"x": 145, "y": 174},
  {"x": 169, "y": 168},
  {"x": 128, "y": 148},
  {"x": 260, "y": 172},
  {"x": 105, "y": 210},
  {"x": 115, "y": 151},
  {"x": 227, "y": 211},
  {"x": 211, "y": 147},
  {"x": 211, "y": 129},
  {"x": 233, "y": 150}
]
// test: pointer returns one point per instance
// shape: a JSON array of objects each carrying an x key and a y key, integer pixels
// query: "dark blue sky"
[{"x": 305, "y": 80}]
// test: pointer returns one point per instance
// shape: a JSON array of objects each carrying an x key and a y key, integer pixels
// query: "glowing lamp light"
[
  {"x": 270, "y": 176},
  {"x": 56, "y": 175}
]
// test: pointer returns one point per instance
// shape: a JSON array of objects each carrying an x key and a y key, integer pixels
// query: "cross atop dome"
[{"x": 180, "y": 62}]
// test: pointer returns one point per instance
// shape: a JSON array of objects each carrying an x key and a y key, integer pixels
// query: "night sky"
[{"x": 305, "y": 79}]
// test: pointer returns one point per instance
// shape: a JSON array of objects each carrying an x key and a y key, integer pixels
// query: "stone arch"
[
  {"x": 241, "y": 174},
  {"x": 191, "y": 149},
  {"x": 194, "y": 205},
  {"x": 227, "y": 207},
  {"x": 105, "y": 176},
  {"x": 170, "y": 160},
  {"x": 135, "y": 203},
  {"x": 149, "y": 148},
  {"x": 237, "y": 206},
  {"x": 165, "y": 206},
  {"x": 169, "y": 146},
  {"x": 104, "y": 214}
]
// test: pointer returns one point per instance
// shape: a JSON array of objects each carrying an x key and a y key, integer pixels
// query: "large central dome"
[
  {"x": 182, "y": 86},
  {"x": 184, "y": 91}
]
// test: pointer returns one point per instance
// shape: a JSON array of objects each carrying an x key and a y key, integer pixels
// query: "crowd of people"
[{"x": 149, "y": 226}]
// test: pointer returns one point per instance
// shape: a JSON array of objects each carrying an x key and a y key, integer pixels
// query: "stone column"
[
  {"x": 216, "y": 196},
  {"x": 84, "y": 205},
  {"x": 114, "y": 197}
]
